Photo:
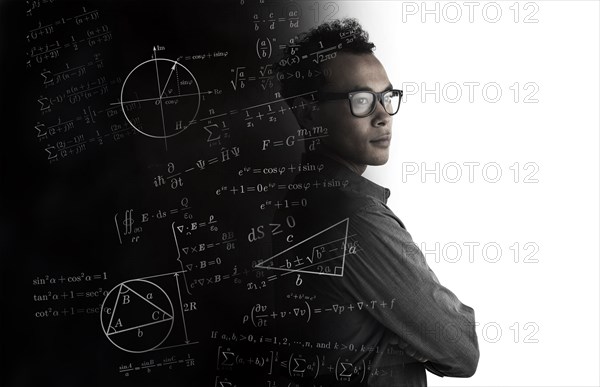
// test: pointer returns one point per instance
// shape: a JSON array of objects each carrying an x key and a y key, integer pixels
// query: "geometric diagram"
[
  {"x": 160, "y": 98},
  {"x": 137, "y": 316},
  {"x": 323, "y": 253}
]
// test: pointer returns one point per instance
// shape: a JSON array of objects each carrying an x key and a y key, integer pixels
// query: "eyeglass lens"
[{"x": 363, "y": 103}]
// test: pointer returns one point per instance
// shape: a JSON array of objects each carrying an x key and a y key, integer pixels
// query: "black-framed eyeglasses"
[{"x": 363, "y": 103}]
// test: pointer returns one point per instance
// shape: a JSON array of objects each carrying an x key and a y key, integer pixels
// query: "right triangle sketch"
[{"x": 323, "y": 253}]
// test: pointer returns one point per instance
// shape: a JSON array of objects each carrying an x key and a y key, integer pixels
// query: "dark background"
[{"x": 57, "y": 217}]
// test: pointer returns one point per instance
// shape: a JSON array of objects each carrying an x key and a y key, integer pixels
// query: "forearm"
[{"x": 433, "y": 326}]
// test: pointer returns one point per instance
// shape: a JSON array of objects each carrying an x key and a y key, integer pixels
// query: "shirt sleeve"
[{"x": 431, "y": 323}]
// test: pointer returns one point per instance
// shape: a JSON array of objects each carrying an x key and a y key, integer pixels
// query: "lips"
[{"x": 382, "y": 141}]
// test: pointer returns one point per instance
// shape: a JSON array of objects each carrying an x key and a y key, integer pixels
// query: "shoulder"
[{"x": 375, "y": 214}]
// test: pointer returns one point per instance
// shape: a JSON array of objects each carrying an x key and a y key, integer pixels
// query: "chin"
[
  {"x": 375, "y": 161},
  {"x": 379, "y": 163}
]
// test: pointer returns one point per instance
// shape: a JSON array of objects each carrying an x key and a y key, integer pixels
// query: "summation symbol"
[
  {"x": 226, "y": 358},
  {"x": 137, "y": 316},
  {"x": 160, "y": 98},
  {"x": 345, "y": 370},
  {"x": 299, "y": 366}
]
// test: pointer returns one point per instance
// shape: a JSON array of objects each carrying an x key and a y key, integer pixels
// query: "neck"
[{"x": 359, "y": 169}]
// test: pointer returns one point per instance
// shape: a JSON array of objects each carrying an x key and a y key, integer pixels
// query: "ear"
[{"x": 304, "y": 111}]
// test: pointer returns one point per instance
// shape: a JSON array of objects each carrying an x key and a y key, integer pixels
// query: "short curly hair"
[{"x": 300, "y": 70}]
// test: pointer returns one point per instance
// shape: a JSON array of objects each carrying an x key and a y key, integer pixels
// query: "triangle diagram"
[
  {"x": 323, "y": 253},
  {"x": 132, "y": 310}
]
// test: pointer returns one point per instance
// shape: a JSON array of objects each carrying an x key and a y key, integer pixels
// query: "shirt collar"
[{"x": 356, "y": 183}]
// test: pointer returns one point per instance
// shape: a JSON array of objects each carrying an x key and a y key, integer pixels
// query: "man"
[{"x": 378, "y": 314}]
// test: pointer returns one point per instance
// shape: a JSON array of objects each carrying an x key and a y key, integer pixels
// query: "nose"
[{"x": 380, "y": 117}]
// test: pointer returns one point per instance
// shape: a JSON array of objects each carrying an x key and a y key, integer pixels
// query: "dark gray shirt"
[{"x": 378, "y": 311}]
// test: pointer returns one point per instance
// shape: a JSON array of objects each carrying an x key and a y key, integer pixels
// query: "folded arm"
[{"x": 433, "y": 326}]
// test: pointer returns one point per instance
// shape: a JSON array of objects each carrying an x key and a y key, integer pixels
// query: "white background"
[{"x": 538, "y": 321}]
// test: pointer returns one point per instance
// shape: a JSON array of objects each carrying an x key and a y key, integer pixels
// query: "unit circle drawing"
[
  {"x": 137, "y": 316},
  {"x": 160, "y": 98}
]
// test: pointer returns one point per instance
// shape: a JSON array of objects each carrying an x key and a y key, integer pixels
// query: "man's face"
[{"x": 358, "y": 141}]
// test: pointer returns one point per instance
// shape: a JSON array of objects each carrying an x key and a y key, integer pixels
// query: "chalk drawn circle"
[
  {"x": 160, "y": 98},
  {"x": 137, "y": 316}
]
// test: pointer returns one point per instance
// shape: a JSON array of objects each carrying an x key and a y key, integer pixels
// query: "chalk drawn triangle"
[
  {"x": 323, "y": 253},
  {"x": 132, "y": 310}
]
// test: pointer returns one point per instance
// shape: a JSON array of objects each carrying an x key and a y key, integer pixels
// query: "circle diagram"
[
  {"x": 137, "y": 316},
  {"x": 160, "y": 98}
]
